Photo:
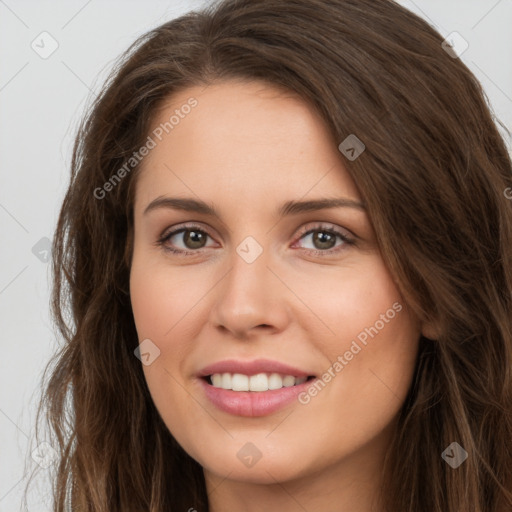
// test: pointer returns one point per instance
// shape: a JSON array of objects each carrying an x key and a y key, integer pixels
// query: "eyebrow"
[{"x": 287, "y": 208}]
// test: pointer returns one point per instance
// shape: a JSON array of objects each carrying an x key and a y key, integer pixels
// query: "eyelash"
[{"x": 323, "y": 228}]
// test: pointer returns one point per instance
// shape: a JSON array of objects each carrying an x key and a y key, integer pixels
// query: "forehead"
[{"x": 247, "y": 139}]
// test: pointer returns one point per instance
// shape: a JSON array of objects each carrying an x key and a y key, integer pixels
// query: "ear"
[{"x": 429, "y": 330}]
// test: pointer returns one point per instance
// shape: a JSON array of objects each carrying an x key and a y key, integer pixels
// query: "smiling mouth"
[{"x": 254, "y": 383}]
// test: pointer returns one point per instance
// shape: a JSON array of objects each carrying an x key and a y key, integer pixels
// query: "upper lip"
[{"x": 252, "y": 368}]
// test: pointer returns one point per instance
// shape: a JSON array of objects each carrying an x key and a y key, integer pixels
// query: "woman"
[{"x": 286, "y": 251}]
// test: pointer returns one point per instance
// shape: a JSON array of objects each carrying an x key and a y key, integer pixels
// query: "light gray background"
[{"x": 41, "y": 102}]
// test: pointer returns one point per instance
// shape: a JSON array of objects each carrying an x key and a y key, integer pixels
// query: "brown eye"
[
  {"x": 324, "y": 240},
  {"x": 194, "y": 239},
  {"x": 185, "y": 240}
]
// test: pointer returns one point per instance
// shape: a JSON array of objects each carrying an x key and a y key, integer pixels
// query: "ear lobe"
[{"x": 428, "y": 330}]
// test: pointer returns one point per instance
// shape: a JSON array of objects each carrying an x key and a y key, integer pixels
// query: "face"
[{"x": 228, "y": 280}]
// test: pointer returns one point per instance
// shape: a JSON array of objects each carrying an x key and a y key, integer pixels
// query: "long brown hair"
[{"x": 433, "y": 176}]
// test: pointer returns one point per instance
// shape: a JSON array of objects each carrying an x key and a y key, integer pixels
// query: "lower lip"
[{"x": 252, "y": 403}]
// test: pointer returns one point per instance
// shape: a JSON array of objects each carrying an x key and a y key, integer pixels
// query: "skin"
[{"x": 245, "y": 149}]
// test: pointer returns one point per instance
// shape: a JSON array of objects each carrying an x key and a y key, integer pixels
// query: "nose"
[{"x": 250, "y": 299}]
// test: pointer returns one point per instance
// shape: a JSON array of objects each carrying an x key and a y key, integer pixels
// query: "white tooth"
[
  {"x": 258, "y": 382},
  {"x": 217, "y": 380},
  {"x": 240, "y": 382},
  {"x": 226, "y": 380},
  {"x": 288, "y": 380},
  {"x": 275, "y": 381}
]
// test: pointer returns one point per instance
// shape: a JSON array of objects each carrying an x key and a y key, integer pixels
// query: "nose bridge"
[
  {"x": 247, "y": 297},
  {"x": 249, "y": 275}
]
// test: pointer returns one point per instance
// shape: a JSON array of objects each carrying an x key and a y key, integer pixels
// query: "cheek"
[
  {"x": 167, "y": 304},
  {"x": 161, "y": 297},
  {"x": 352, "y": 302},
  {"x": 372, "y": 337},
  {"x": 364, "y": 383}
]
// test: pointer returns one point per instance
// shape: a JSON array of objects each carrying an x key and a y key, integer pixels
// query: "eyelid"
[
  {"x": 167, "y": 232},
  {"x": 326, "y": 226}
]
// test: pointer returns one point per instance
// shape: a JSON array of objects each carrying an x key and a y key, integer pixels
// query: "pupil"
[
  {"x": 322, "y": 237},
  {"x": 195, "y": 238}
]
